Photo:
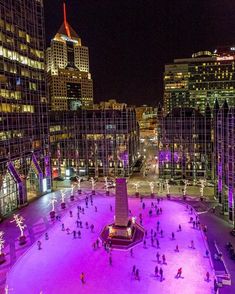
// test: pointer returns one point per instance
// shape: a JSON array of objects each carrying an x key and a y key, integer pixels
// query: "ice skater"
[
  {"x": 77, "y": 223},
  {"x": 74, "y": 234},
  {"x": 158, "y": 257},
  {"x": 161, "y": 274},
  {"x": 208, "y": 277},
  {"x": 92, "y": 228},
  {"x": 163, "y": 259},
  {"x": 161, "y": 233},
  {"x": 82, "y": 278},
  {"x": 39, "y": 243},
  {"x": 62, "y": 226},
  {"x": 87, "y": 227},
  {"x": 133, "y": 269},
  {"x": 46, "y": 236},
  {"x": 192, "y": 244},
  {"x": 79, "y": 234},
  {"x": 131, "y": 252},
  {"x": 137, "y": 275},
  {"x": 110, "y": 207},
  {"x": 156, "y": 271},
  {"x": 96, "y": 209},
  {"x": 180, "y": 228},
  {"x": 179, "y": 273},
  {"x": 177, "y": 248},
  {"x": 70, "y": 213},
  {"x": 158, "y": 245},
  {"x": 173, "y": 236}
]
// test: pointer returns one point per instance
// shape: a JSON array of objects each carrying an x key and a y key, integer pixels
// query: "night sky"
[{"x": 130, "y": 40}]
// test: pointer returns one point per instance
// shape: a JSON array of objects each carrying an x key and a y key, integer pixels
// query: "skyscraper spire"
[{"x": 65, "y": 21}]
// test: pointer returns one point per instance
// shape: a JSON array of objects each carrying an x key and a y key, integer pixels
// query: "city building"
[
  {"x": 69, "y": 80},
  {"x": 147, "y": 119},
  {"x": 185, "y": 148},
  {"x": 225, "y": 159},
  {"x": 196, "y": 81},
  {"x": 100, "y": 142},
  {"x": 110, "y": 104},
  {"x": 24, "y": 137}
]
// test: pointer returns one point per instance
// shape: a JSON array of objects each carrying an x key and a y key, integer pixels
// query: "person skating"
[
  {"x": 87, "y": 227},
  {"x": 207, "y": 253},
  {"x": 96, "y": 209},
  {"x": 144, "y": 243},
  {"x": 82, "y": 278},
  {"x": 207, "y": 276},
  {"x": 74, "y": 234},
  {"x": 163, "y": 259},
  {"x": 68, "y": 231},
  {"x": 179, "y": 273},
  {"x": 111, "y": 208},
  {"x": 46, "y": 236},
  {"x": 97, "y": 243},
  {"x": 39, "y": 243},
  {"x": 161, "y": 274},
  {"x": 156, "y": 271},
  {"x": 192, "y": 244},
  {"x": 133, "y": 269},
  {"x": 131, "y": 252},
  {"x": 62, "y": 226},
  {"x": 177, "y": 248},
  {"x": 137, "y": 276},
  {"x": 161, "y": 232},
  {"x": 143, "y": 205},
  {"x": 173, "y": 236},
  {"x": 180, "y": 228},
  {"x": 158, "y": 245},
  {"x": 70, "y": 213},
  {"x": 77, "y": 223},
  {"x": 92, "y": 228},
  {"x": 158, "y": 257},
  {"x": 79, "y": 234}
]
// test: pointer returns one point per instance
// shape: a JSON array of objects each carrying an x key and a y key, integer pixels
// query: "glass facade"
[
  {"x": 23, "y": 103},
  {"x": 193, "y": 82}
]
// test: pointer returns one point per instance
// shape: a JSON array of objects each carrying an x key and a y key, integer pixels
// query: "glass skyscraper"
[{"x": 24, "y": 137}]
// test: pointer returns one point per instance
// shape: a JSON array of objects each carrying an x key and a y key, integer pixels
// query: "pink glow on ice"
[{"x": 57, "y": 267}]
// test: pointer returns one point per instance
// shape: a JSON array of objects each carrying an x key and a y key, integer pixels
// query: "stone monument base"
[{"x": 123, "y": 237}]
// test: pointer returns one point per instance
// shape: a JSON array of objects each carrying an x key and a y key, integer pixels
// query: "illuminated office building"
[
  {"x": 185, "y": 149},
  {"x": 225, "y": 159},
  {"x": 100, "y": 142},
  {"x": 69, "y": 80},
  {"x": 24, "y": 162},
  {"x": 192, "y": 82}
]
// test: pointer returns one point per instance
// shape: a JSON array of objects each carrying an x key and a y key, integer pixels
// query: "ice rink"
[{"x": 56, "y": 268}]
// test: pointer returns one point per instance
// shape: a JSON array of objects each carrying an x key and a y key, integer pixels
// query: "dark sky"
[{"x": 130, "y": 40}]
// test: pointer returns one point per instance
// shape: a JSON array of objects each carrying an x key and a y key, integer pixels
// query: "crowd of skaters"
[{"x": 155, "y": 233}]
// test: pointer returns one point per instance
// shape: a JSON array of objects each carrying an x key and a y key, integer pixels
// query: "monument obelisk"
[
  {"x": 121, "y": 203},
  {"x": 125, "y": 232}
]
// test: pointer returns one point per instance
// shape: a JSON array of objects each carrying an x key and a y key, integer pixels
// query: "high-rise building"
[
  {"x": 69, "y": 79},
  {"x": 185, "y": 149},
  {"x": 196, "y": 81},
  {"x": 100, "y": 142},
  {"x": 24, "y": 136},
  {"x": 225, "y": 159}
]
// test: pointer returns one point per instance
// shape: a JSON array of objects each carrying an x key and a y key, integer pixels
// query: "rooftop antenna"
[{"x": 65, "y": 21}]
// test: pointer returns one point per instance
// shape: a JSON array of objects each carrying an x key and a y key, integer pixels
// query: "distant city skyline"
[{"x": 131, "y": 41}]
